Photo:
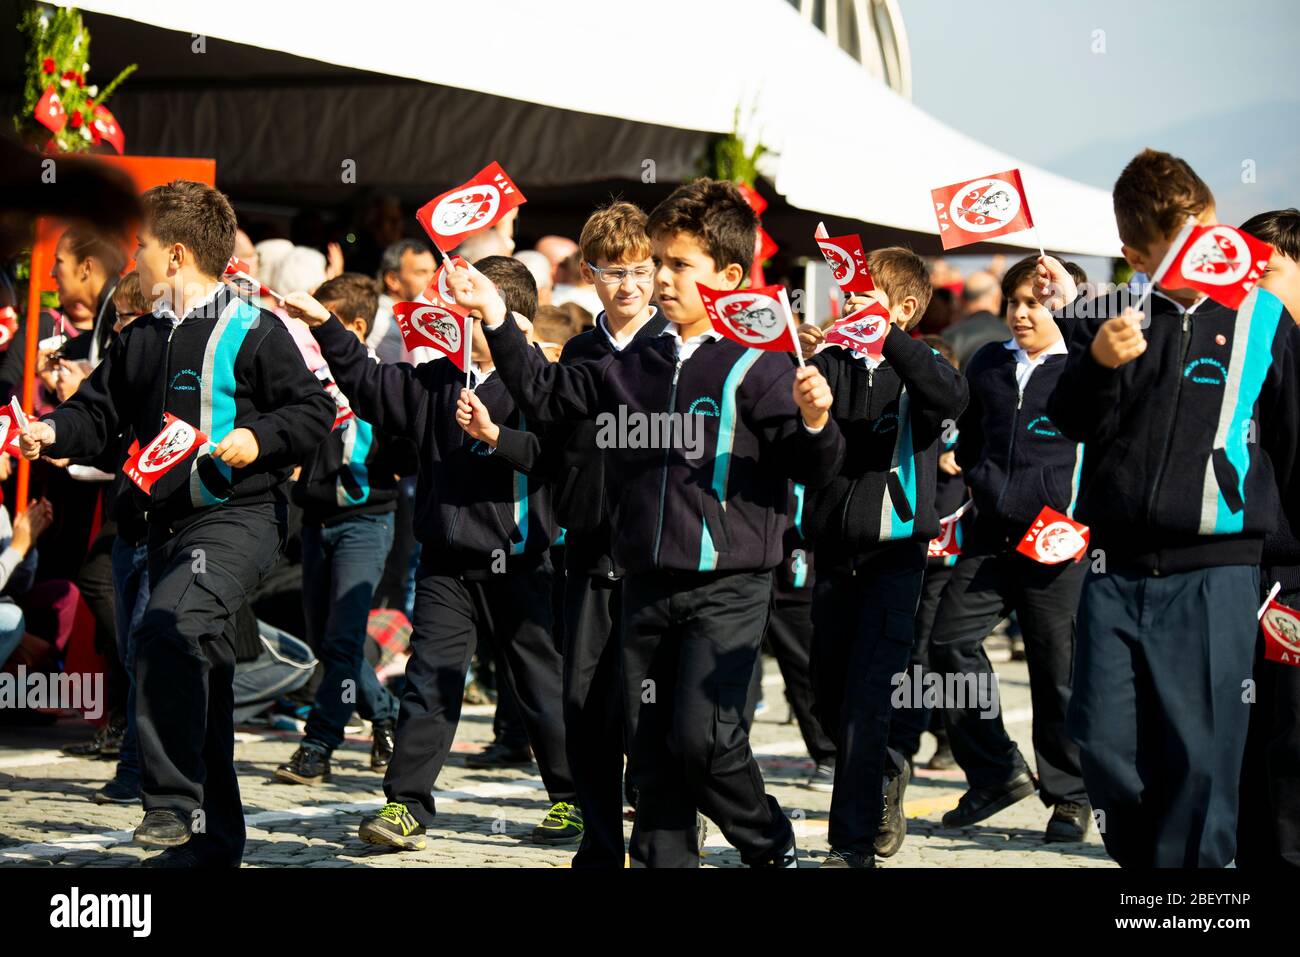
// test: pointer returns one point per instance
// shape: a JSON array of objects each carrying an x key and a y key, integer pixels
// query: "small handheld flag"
[
  {"x": 424, "y": 324},
  {"x": 980, "y": 209},
  {"x": 948, "y": 542},
  {"x": 1281, "y": 627},
  {"x": 862, "y": 332},
  {"x": 164, "y": 452},
  {"x": 1222, "y": 262},
  {"x": 758, "y": 317},
  {"x": 451, "y": 217},
  {"x": 1054, "y": 538},
  {"x": 847, "y": 259},
  {"x": 439, "y": 293},
  {"x": 237, "y": 271}
]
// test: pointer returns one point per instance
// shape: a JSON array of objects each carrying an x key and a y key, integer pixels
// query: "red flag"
[
  {"x": 164, "y": 452},
  {"x": 50, "y": 112},
  {"x": 8, "y": 326},
  {"x": 439, "y": 293},
  {"x": 104, "y": 127},
  {"x": 1054, "y": 538},
  {"x": 757, "y": 317},
  {"x": 450, "y": 218},
  {"x": 424, "y": 324},
  {"x": 237, "y": 273},
  {"x": 863, "y": 331},
  {"x": 1222, "y": 262},
  {"x": 342, "y": 408},
  {"x": 981, "y": 209},
  {"x": 847, "y": 259},
  {"x": 948, "y": 542},
  {"x": 756, "y": 203},
  {"x": 1281, "y": 626},
  {"x": 16, "y": 425}
]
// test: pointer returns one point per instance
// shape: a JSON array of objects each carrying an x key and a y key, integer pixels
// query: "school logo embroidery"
[
  {"x": 187, "y": 380},
  {"x": 985, "y": 205},
  {"x": 886, "y": 423},
  {"x": 1216, "y": 257},
  {"x": 1205, "y": 371},
  {"x": 1042, "y": 425},
  {"x": 704, "y": 406}
]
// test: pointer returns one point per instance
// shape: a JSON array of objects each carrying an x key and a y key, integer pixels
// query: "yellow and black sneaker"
[
  {"x": 393, "y": 826},
  {"x": 562, "y": 825}
]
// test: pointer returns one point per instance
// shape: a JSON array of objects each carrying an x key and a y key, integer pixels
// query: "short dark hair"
[
  {"x": 1279, "y": 228},
  {"x": 553, "y": 324},
  {"x": 940, "y": 345},
  {"x": 513, "y": 281},
  {"x": 901, "y": 273},
  {"x": 713, "y": 212},
  {"x": 198, "y": 217},
  {"x": 1154, "y": 196},
  {"x": 86, "y": 243},
  {"x": 391, "y": 260},
  {"x": 1023, "y": 272},
  {"x": 350, "y": 296}
]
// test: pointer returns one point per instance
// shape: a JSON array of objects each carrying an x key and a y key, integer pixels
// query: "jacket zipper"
[
  {"x": 1011, "y": 445},
  {"x": 663, "y": 485},
  {"x": 167, "y": 370},
  {"x": 853, "y": 486},
  {"x": 1169, "y": 440}
]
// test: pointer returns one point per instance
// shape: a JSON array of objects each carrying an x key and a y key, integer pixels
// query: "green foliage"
[
  {"x": 58, "y": 55},
  {"x": 728, "y": 157}
]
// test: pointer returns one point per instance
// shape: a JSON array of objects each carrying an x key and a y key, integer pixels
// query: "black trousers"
[
  {"x": 790, "y": 631},
  {"x": 450, "y": 611},
  {"x": 983, "y": 590},
  {"x": 1268, "y": 818},
  {"x": 908, "y": 724},
  {"x": 199, "y": 576},
  {"x": 863, "y": 635},
  {"x": 689, "y": 646},
  {"x": 593, "y": 713}
]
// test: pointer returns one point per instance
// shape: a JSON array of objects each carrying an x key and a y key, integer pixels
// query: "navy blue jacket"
[
  {"x": 1187, "y": 446},
  {"x": 473, "y": 504},
  {"x": 726, "y": 510},
  {"x": 892, "y": 418},
  {"x": 1014, "y": 458}
]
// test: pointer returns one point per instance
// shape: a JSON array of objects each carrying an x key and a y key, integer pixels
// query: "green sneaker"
[
  {"x": 393, "y": 826},
  {"x": 562, "y": 825}
]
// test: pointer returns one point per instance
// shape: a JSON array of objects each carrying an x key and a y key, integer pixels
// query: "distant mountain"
[{"x": 1216, "y": 146}]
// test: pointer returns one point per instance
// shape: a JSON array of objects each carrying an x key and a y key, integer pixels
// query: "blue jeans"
[
  {"x": 130, "y": 598},
  {"x": 341, "y": 565},
  {"x": 284, "y": 665}
]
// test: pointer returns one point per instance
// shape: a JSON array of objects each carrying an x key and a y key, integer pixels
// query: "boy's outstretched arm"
[
  {"x": 90, "y": 418},
  {"x": 546, "y": 392},
  {"x": 939, "y": 392},
  {"x": 793, "y": 419},
  {"x": 295, "y": 413},
  {"x": 388, "y": 395}
]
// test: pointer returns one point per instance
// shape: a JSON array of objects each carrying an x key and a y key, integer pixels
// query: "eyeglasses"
[{"x": 642, "y": 275}]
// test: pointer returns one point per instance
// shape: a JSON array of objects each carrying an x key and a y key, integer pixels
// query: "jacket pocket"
[
  {"x": 898, "y": 498},
  {"x": 715, "y": 521},
  {"x": 1226, "y": 475}
]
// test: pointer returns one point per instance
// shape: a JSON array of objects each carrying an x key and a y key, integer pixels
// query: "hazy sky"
[{"x": 1214, "y": 81}]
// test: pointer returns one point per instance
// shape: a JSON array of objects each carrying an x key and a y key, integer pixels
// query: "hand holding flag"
[{"x": 862, "y": 331}]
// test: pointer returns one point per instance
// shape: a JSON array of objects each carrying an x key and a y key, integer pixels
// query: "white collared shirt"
[
  {"x": 628, "y": 333},
  {"x": 686, "y": 349},
  {"x": 1182, "y": 310},
  {"x": 166, "y": 312},
  {"x": 479, "y": 375},
  {"x": 1025, "y": 366}
]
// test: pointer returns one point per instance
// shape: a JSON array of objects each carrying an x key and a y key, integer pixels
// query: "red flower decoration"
[
  {"x": 47, "y": 66},
  {"x": 76, "y": 119},
  {"x": 70, "y": 74},
  {"x": 81, "y": 79}
]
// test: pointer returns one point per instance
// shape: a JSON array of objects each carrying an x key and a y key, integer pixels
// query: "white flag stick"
[
  {"x": 1039, "y": 239},
  {"x": 1277, "y": 587},
  {"x": 1168, "y": 261},
  {"x": 794, "y": 331},
  {"x": 469, "y": 338}
]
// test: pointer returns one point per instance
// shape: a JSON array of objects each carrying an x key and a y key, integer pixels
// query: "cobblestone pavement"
[{"x": 48, "y": 819}]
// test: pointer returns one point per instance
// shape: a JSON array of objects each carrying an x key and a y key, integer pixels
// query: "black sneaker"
[
  {"x": 942, "y": 759},
  {"x": 893, "y": 822},
  {"x": 1069, "y": 824},
  {"x": 843, "y": 858},
  {"x": 977, "y": 804},
  {"x": 308, "y": 765},
  {"x": 822, "y": 779},
  {"x": 111, "y": 745},
  {"x": 381, "y": 746},
  {"x": 162, "y": 828},
  {"x": 91, "y": 748},
  {"x": 393, "y": 826},
  {"x": 499, "y": 756},
  {"x": 117, "y": 792},
  {"x": 562, "y": 825}
]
